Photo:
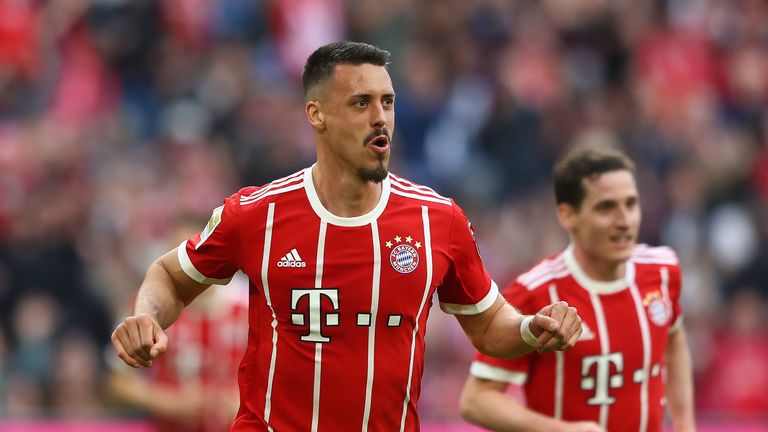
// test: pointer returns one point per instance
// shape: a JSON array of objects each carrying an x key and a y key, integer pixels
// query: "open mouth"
[
  {"x": 380, "y": 141},
  {"x": 379, "y": 144}
]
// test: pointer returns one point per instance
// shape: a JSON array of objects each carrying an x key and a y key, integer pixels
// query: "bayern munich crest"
[
  {"x": 658, "y": 310},
  {"x": 404, "y": 257}
]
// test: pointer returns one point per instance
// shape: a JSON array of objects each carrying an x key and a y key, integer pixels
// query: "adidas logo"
[{"x": 291, "y": 259}]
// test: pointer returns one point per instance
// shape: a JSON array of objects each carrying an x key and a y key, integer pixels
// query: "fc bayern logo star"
[{"x": 404, "y": 258}]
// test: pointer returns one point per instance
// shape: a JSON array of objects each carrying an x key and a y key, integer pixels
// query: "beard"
[
  {"x": 375, "y": 175},
  {"x": 378, "y": 174}
]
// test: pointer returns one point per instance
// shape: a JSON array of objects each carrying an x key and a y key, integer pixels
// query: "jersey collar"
[
  {"x": 327, "y": 216},
  {"x": 594, "y": 286}
]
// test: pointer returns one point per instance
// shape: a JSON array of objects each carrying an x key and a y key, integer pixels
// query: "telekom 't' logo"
[
  {"x": 313, "y": 313},
  {"x": 602, "y": 379}
]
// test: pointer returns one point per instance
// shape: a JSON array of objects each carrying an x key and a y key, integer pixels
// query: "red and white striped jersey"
[
  {"x": 207, "y": 344},
  {"x": 338, "y": 306},
  {"x": 614, "y": 373}
]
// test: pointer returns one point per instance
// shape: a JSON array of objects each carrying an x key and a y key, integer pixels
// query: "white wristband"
[{"x": 526, "y": 333}]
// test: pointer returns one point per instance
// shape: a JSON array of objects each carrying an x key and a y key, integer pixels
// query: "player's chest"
[
  {"x": 395, "y": 259},
  {"x": 623, "y": 328}
]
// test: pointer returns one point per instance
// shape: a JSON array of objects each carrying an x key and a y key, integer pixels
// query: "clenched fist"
[
  {"x": 556, "y": 327},
  {"x": 139, "y": 339}
]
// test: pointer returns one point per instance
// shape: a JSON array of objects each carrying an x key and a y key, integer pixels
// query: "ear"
[
  {"x": 566, "y": 215},
  {"x": 315, "y": 115}
]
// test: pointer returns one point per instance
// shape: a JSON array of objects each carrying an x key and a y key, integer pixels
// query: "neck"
[
  {"x": 599, "y": 269},
  {"x": 344, "y": 193}
]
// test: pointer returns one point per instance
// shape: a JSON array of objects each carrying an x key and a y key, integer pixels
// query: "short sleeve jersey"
[
  {"x": 614, "y": 373},
  {"x": 338, "y": 306}
]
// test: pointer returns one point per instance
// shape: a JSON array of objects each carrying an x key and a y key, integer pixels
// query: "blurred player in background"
[
  {"x": 193, "y": 387},
  {"x": 633, "y": 345},
  {"x": 343, "y": 259}
]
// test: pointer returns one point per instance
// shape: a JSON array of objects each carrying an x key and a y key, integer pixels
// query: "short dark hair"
[
  {"x": 321, "y": 63},
  {"x": 583, "y": 162}
]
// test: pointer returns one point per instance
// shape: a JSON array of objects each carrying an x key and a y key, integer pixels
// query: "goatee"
[{"x": 376, "y": 175}]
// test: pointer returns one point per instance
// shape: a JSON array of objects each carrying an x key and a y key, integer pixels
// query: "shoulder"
[
  {"x": 251, "y": 196},
  {"x": 659, "y": 255},
  {"x": 547, "y": 270},
  {"x": 418, "y": 194}
]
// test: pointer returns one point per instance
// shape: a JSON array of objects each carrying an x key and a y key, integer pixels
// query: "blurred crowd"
[{"x": 122, "y": 119}]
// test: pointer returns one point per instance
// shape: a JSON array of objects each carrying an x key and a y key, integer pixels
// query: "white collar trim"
[
  {"x": 327, "y": 216},
  {"x": 594, "y": 286}
]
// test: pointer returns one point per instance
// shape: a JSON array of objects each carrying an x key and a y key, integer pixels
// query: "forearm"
[
  {"x": 491, "y": 408},
  {"x": 496, "y": 332},
  {"x": 503, "y": 339},
  {"x": 679, "y": 385},
  {"x": 158, "y": 296},
  {"x": 162, "y": 296},
  {"x": 166, "y": 290}
]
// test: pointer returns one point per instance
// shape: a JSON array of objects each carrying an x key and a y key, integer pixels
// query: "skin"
[
  {"x": 354, "y": 108},
  {"x": 603, "y": 231},
  {"x": 348, "y": 113},
  {"x": 604, "y": 228},
  {"x": 185, "y": 403}
]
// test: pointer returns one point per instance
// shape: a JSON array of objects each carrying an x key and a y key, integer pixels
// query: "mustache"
[{"x": 377, "y": 132}]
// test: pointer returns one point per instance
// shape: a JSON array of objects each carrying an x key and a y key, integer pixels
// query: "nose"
[
  {"x": 622, "y": 217},
  {"x": 378, "y": 115}
]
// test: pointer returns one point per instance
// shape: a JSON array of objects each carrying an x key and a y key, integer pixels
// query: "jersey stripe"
[
  {"x": 605, "y": 344},
  {"x": 421, "y": 197},
  {"x": 427, "y": 283},
  {"x": 645, "y": 335},
  {"x": 372, "y": 328},
  {"x": 559, "y": 364},
  {"x": 269, "y": 187},
  {"x": 546, "y": 271},
  {"x": 320, "y": 254},
  {"x": 318, "y": 345},
  {"x": 423, "y": 190},
  {"x": 419, "y": 192},
  {"x": 554, "y": 274},
  {"x": 268, "y": 298},
  {"x": 654, "y": 255},
  {"x": 316, "y": 385},
  {"x": 270, "y": 192},
  {"x": 655, "y": 260},
  {"x": 409, "y": 184},
  {"x": 273, "y": 184}
]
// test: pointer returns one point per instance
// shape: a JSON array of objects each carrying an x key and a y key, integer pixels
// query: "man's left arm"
[
  {"x": 498, "y": 331},
  {"x": 679, "y": 384}
]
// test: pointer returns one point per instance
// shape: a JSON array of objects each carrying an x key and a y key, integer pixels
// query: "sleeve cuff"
[
  {"x": 495, "y": 373},
  {"x": 192, "y": 272},
  {"x": 676, "y": 326},
  {"x": 473, "y": 309}
]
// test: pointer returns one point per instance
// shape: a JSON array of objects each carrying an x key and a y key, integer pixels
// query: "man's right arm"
[
  {"x": 166, "y": 290},
  {"x": 485, "y": 403}
]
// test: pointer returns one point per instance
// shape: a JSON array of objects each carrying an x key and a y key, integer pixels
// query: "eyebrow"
[
  {"x": 611, "y": 201},
  {"x": 369, "y": 96}
]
